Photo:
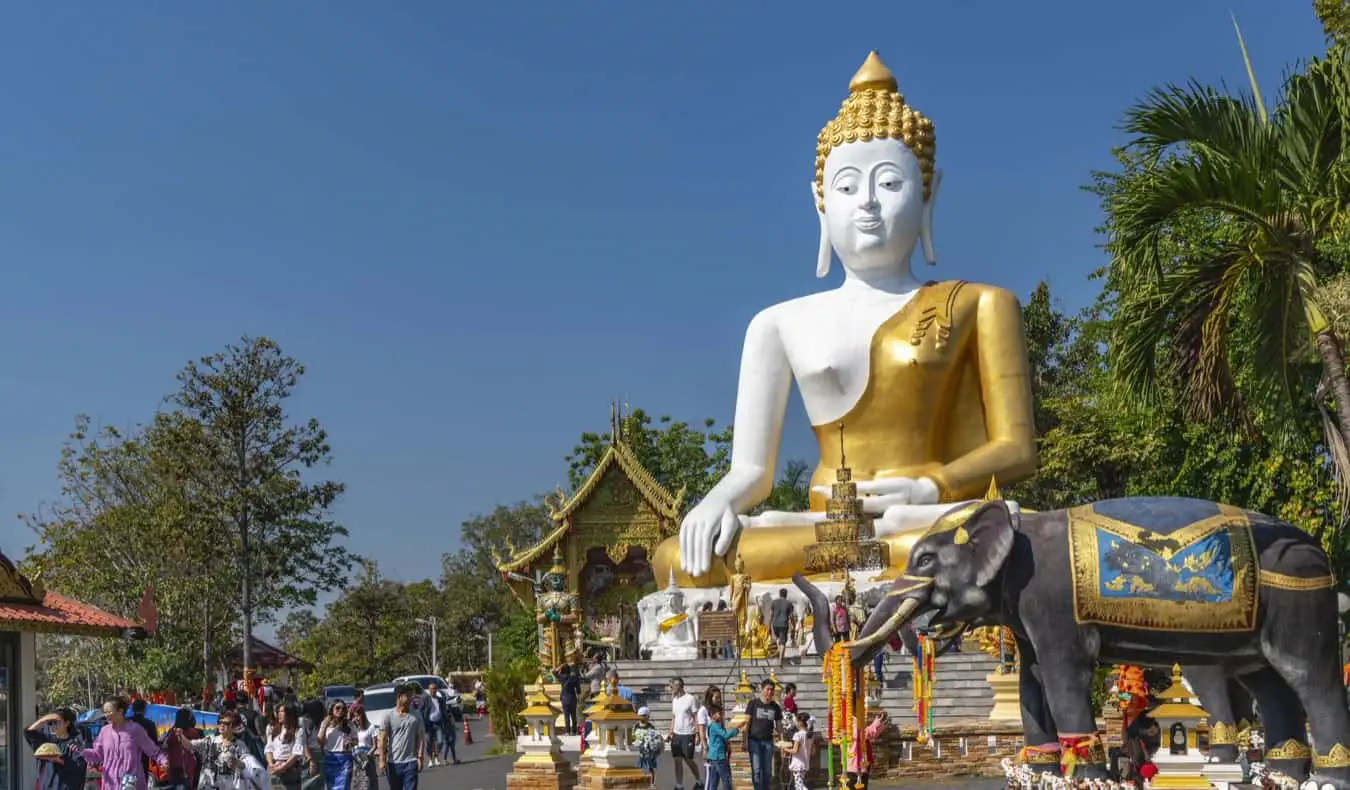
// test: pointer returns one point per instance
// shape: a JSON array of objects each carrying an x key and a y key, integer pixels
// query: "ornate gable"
[{"x": 619, "y": 505}]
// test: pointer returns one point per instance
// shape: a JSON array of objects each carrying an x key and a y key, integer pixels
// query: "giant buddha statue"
[{"x": 929, "y": 380}]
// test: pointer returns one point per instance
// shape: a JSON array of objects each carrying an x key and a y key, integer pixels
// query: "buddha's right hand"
[{"x": 712, "y": 521}]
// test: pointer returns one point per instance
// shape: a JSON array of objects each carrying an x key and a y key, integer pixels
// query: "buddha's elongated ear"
[
  {"x": 926, "y": 225},
  {"x": 824, "y": 254}
]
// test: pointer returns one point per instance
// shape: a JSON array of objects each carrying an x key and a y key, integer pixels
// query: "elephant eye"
[{"x": 925, "y": 561}]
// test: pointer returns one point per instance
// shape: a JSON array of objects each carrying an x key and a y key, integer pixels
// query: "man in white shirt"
[{"x": 683, "y": 724}]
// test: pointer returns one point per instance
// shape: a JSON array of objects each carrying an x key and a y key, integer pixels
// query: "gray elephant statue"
[{"x": 1229, "y": 594}]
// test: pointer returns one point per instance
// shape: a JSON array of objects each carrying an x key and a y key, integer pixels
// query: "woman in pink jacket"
[{"x": 119, "y": 747}]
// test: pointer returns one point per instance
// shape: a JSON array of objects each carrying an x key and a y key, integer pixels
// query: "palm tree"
[{"x": 1219, "y": 241}]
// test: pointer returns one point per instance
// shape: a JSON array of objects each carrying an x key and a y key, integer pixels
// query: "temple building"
[
  {"x": 605, "y": 534},
  {"x": 26, "y": 610}
]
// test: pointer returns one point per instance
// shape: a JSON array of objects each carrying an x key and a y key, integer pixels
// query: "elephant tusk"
[{"x": 892, "y": 624}]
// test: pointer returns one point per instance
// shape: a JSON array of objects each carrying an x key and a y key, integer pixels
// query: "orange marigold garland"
[
  {"x": 1131, "y": 692},
  {"x": 924, "y": 666}
]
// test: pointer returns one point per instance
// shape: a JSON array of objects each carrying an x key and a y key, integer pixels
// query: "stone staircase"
[{"x": 960, "y": 690}]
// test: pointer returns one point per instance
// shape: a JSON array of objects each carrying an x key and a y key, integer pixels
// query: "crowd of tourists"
[
  {"x": 287, "y": 745},
  {"x": 770, "y": 730}
]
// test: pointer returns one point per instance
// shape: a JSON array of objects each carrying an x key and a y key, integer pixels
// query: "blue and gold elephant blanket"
[{"x": 1165, "y": 564}]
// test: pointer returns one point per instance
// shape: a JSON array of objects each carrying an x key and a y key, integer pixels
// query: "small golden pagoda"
[
  {"x": 613, "y": 759},
  {"x": 541, "y": 765},
  {"x": 846, "y": 539},
  {"x": 1180, "y": 763}
]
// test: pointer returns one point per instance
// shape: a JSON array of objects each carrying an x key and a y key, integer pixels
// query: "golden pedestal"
[{"x": 1007, "y": 697}]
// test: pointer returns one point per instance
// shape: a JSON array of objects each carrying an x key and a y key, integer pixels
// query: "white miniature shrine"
[{"x": 1180, "y": 764}]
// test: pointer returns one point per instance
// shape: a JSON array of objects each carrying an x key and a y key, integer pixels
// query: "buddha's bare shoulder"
[
  {"x": 983, "y": 297},
  {"x": 794, "y": 311}
]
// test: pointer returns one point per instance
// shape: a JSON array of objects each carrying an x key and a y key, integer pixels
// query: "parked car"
[
  {"x": 333, "y": 694},
  {"x": 423, "y": 681},
  {"x": 379, "y": 702}
]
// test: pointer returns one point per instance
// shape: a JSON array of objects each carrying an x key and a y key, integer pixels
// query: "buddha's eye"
[{"x": 846, "y": 188}]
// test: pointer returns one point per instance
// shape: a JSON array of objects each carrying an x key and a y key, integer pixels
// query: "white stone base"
[
  {"x": 761, "y": 594},
  {"x": 613, "y": 757},
  {"x": 1176, "y": 770},
  {"x": 570, "y": 743},
  {"x": 1221, "y": 775}
]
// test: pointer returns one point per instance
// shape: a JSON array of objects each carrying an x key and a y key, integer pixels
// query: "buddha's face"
[{"x": 873, "y": 204}]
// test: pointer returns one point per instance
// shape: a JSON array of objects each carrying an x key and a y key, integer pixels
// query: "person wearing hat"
[
  {"x": 649, "y": 742},
  {"x": 61, "y": 766}
]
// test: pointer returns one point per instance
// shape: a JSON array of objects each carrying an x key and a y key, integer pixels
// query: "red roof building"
[
  {"x": 27, "y": 606},
  {"x": 27, "y": 609}
]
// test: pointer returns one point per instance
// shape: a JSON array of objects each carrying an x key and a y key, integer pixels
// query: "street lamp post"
[
  {"x": 431, "y": 621},
  {"x": 488, "y": 638}
]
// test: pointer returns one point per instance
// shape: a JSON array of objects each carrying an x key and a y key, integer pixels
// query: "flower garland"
[
  {"x": 1023, "y": 777},
  {"x": 924, "y": 666},
  {"x": 1131, "y": 692}
]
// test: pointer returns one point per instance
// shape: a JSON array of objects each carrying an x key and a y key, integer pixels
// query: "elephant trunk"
[
  {"x": 820, "y": 612},
  {"x": 874, "y": 636}
]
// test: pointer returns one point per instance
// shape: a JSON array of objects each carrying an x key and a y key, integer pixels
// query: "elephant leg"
[
  {"x": 1310, "y": 665},
  {"x": 1282, "y": 718},
  {"x": 1211, "y": 686},
  {"x": 1068, "y": 690},
  {"x": 1038, "y": 726},
  {"x": 1241, "y": 702}
]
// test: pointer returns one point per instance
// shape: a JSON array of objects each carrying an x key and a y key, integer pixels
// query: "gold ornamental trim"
[
  {"x": 1291, "y": 750},
  {"x": 1031, "y": 755},
  {"x": 1223, "y": 734},
  {"x": 661, "y": 500},
  {"x": 1282, "y": 581},
  {"x": 1238, "y": 614},
  {"x": 1338, "y": 757}
]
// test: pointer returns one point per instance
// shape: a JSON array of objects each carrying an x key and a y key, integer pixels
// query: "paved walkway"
[{"x": 480, "y": 772}]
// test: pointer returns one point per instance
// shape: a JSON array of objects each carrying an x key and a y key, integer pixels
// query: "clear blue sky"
[{"x": 478, "y": 223}]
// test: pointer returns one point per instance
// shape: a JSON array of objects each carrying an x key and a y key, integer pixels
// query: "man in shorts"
[
  {"x": 780, "y": 618},
  {"x": 683, "y": 725}
]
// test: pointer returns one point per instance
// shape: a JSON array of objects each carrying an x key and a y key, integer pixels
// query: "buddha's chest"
[
  {"x": 828, "y": 345},
  {"x": 835, "y": 351}
]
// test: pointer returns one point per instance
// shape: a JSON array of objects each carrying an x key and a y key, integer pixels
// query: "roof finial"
[
  {"x": 842, "y": 462},
  {"x": 671, "y": 584},
  {"x": 613, "y": 422},
  {"x": 993, "y": 492}
]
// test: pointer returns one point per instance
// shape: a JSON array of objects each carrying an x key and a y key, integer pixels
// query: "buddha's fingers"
[{"x": 731, "y": 525}]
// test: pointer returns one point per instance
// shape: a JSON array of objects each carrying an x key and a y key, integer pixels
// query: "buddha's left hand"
[{"x": 878, "y": 495}]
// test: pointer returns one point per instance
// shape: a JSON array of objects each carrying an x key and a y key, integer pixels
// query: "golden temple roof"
[
  {"x": 617, "y": 454},
  {"x": 540, "y": 703},
  {"x": 1177, "y": 701}
]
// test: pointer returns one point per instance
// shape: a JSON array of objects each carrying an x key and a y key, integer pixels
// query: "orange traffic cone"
[{"x": 468, "y": 736}]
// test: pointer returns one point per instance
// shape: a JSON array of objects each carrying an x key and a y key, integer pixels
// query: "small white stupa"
[{"x": 1181, "y": 766}]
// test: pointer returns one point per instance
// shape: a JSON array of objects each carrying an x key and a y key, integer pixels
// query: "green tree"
[
  {"x": 248, "y": 460},
  {"x": 127, "y": 516},
  {"x": 1219, "y": 237},
  {"x": 677, "y": 455},
  {"x": 298, "y": 625},
  {"x": 792, "y": 491}
]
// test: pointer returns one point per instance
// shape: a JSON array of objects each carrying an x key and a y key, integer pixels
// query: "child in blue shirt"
[{"x": 719, "y": 770}]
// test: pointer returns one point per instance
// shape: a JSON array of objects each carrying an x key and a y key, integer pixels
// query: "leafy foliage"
[
  {"x": 679, "y": 456},
  {"x": 246, "y": 461}
]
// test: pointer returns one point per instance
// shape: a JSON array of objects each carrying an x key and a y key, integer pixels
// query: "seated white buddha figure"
[{"x": 930, "y": 380}]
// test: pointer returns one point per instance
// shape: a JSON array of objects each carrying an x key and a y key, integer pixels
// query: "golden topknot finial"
[
  {"x": 873, "y": 75},
  {"x": 993, "y": 492},
  {"x": 875, "y": 110}
]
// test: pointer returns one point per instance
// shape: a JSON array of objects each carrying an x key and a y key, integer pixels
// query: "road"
[{"x": 480, "y": 772}]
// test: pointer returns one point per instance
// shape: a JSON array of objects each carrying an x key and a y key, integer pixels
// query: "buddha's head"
[{"x": 875, "y": 182}]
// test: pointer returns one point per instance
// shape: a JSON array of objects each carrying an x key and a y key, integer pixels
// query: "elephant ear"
[{"x": 990, "y": 539}]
